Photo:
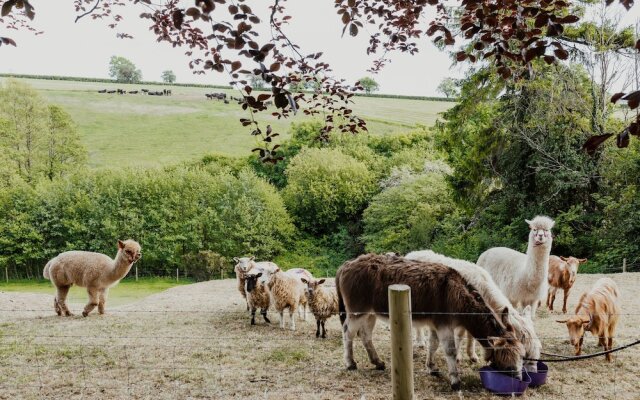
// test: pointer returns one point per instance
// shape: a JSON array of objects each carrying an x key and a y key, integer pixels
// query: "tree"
[
  {"x": 36, "y": 139},
  {"x": 257, "y": 83},
  {"x": 123, "y": 70},
  {"x": 448, "y": 87},
  {"x": 168, "y": 76},
  {"x": 64, "y": 149},
  {"x": 25, "y": 115},
  {"x": 369, "y": 85},
  {"x": 505, "y": 35}
]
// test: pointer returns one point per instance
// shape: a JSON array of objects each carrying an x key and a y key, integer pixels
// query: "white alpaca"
[
  {"x": 495, "y": 299},
  {"x": 523, "y": 277}
]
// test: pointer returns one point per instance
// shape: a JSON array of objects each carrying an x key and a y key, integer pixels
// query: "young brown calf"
[
  {"x": 597, "y": 312},
  {"x": 562, "y": 275}
]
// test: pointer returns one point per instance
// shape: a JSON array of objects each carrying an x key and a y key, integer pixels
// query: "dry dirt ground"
[{"x": 195, "y": 341}]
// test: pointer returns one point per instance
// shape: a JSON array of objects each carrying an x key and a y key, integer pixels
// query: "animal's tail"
[
  {"x": 342, "y": 312},
  {"x": 45, "y": 273}
]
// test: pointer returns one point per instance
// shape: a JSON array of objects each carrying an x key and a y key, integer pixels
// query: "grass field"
[
  {"x": 137, "y": 130},
  {"x": 195, "y": 341},
  {"x": 127, "y": 291}
]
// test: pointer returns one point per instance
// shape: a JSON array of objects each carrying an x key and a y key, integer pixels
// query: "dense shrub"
[
  {"x": 171, "y": 213},
  {"x": 407, "y": 217},
  {"x": 326, "y": 186}
]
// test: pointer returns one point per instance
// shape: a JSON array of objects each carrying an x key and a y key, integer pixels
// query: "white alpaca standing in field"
[
  {"x": 481, "y": 281},
  {"x": 95, "y": 271},
  {"x": 523, "y": 277}
]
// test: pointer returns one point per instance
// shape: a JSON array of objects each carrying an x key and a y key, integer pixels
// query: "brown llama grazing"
[
  {"x": 440, "y": 299},
  {"x": 562, "y": 275},
  {"x": 95, "y": 271},
  {"x": 597, "y": 312}
]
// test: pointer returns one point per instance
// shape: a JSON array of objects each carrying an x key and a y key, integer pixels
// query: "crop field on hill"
[
  {"x": 195, "y": 341},
  {"x": 139, "y": 130}
]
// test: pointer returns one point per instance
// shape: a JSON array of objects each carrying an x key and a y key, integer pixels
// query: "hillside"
[{"x": 138, "y": 130}]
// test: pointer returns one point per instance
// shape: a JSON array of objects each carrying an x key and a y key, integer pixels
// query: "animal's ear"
[
  {"x": 276, "y": 270},
  {"x": 582, "y": 260},
  {"x": 528, "y": 223},
  {"x": 564, "y": 259},
  {"x": 252, "y": 258},
  {"x": 321, "y": 281},
  {"x": 235, "y": 259},
  {"x": 120, "y": 244},
  {"x": 259, "y": 274},
  {"x": 496, "y": 342},
  {"x": 304, "y": 280},
  {"x": 562, "y": 321}
]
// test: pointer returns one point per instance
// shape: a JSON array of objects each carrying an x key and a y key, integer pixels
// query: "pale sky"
[{"x": 84, "y": 48}]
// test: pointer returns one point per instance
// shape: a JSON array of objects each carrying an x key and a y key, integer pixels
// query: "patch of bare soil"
[{"x": 195, "y": 341}]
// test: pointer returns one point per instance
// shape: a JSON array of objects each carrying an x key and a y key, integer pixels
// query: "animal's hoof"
[
  {"x": 84, "y": 313},
  {"x": 267, "y": 320},
  {"x": 380, "y": 366},
  {"x": 455, "y": 386},
  {"x": 253, "y": 322},
  {"x": 324, "y": 335},
  {"x": 434, "y": 372},
  {"x": 474, "y": 359},
  {"x": 352, "y": 367},
  {"x": 317, "y": 334}
]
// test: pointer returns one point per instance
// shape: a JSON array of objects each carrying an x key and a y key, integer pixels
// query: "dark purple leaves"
[
  {"x": 622, "y": 139},
  {"x": 633, "y": 99},
  {"x": 7, "y": 41},
  {"x": 280, "y": 100},
  {"x": 616, "y": 97},
  {"x": 594, "y": 142},
  {"x": 178, "y": 19}
]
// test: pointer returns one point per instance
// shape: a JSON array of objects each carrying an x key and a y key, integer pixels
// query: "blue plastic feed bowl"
[
  {"x": 503, "y": 384},
  {"x": 539, "y": 378}
]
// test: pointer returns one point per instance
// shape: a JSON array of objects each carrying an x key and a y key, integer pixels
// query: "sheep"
[
  {"x": 246, "y": 264},
  {"x": 496, "y": 300},
  {"x": 257, "y": 295},
  {"x": 301, "y": 273},
  {"x": 597, "y": 312},
  {"x": 562, "y": 275},
  {"x": 95, "y": 271},
  {"x": 286, "y": 290},
  {"x": 522, "y": 277},
  {"x": 322, "y": 301},
  {"x": 440, "y": 298}
]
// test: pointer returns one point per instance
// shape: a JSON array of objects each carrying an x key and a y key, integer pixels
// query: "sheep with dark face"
[
  {"x": 440, "y": 299},
  {"x": 246, "y": 264},
  {"x": 257, "y": 295}
]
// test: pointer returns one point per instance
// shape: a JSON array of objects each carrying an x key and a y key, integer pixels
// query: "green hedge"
[{"x": 106, "y": 80}]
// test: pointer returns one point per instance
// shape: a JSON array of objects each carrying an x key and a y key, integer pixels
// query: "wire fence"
[{"x": 190, "y": 353}]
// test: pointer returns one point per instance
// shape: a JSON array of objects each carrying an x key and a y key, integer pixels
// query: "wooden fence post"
[
  {"x": 401, "y": 343},
  {"x": 177, "y": 274},
  {"x": 136, "y": 273},
  {"x": 624, "y": 265},
  {"x": 6, "y": 273}
]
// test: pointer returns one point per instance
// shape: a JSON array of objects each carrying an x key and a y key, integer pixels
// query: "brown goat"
[
  {"x": 597, "y": 312},
  {"x": 440, "y": 298},
  {"x": 562, "y": 275}
]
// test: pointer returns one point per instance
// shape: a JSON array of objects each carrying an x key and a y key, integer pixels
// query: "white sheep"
[
  {"x": 480, "y": 280},
  {"x": 286, "y": 290},
  {"x": 301, "y": 273},
  {"x": 323, "y": 302},
  {"x": 523, "y": 277}
]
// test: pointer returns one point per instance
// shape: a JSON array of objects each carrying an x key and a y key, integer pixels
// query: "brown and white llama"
[
  {"x": 95, "y": 271},
  {"x": 440, "y": 299},
  {"x": 562, "y": 275},
  {"x": 523, "y": 277},
  {"x": 480, "y": 279}
]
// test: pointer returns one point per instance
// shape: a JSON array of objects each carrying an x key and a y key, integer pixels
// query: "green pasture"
[
  {"x": 138, "y": 130},
  {"x": 127, "y": 291}
]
